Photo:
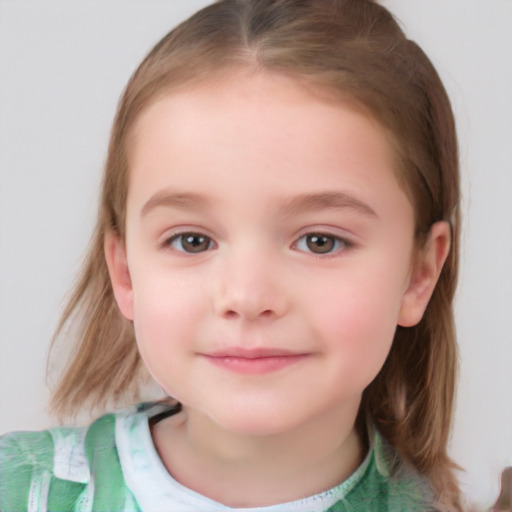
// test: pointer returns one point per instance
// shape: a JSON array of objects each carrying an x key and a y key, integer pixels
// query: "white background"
[{"x": 63, "y": 65}]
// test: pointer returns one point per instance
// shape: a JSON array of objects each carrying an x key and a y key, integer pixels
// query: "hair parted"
[{"x": 352, "y": 48}]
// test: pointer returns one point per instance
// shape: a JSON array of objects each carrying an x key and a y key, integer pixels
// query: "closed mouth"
[
  {"x": 254, "y": 361},
  {"x": 256, "y": 353}
]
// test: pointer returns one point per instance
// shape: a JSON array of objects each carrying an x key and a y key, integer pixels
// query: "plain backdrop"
[{"x": 63, "y": 65}]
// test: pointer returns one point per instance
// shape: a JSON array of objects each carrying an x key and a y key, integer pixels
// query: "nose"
[{"x": 250, "y": 286}]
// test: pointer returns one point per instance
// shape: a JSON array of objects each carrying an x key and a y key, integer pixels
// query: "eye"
[
  {"x": 190, "y": 242},
  {"x": 321, "y": 243}
]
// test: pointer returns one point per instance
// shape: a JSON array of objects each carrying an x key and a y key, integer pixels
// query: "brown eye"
[
  {"x": 320, "y": 244},
  {"x": 191, "y": 242}
]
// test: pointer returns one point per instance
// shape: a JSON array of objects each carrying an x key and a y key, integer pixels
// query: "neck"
[{"x": 243, "y": 470}]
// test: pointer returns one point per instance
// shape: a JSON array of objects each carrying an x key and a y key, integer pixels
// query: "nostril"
[{"x": 233, "y": 314}]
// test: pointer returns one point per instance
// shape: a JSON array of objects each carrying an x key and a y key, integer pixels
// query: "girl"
[{"x": 277, "y": 247}]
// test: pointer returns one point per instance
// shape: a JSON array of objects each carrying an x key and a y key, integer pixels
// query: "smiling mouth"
[{"x": 254, "y": 361}]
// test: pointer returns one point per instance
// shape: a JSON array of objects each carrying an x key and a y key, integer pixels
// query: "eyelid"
[{"x": 183, "y": 229}]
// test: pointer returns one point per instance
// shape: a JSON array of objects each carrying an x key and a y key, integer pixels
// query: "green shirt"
[{"x": 112, "y": 465}]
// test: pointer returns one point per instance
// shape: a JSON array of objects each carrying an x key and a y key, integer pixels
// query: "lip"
[
  {"x": 252, "y": 353},
  {"x": 254, "y": 361}
]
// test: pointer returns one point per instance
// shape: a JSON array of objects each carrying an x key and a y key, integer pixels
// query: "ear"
[
  {"x": 117, "y": 263},
  {"x": 425, "y": 273}
]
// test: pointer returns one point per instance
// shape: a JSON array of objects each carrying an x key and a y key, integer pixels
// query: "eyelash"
[{"x": 339, "y": 244}]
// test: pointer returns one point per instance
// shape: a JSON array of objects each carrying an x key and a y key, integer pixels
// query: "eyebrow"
[
  {"x": 178, "y": 200},
  {"x": 297, "y": 204},
  {"x": 327, "y": 201}
]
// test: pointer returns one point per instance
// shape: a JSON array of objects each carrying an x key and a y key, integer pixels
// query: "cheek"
[
  {"x": 164, "y": 299},
  {"x": 357, "y": 320},
  {"x": 167, "y": 312}
]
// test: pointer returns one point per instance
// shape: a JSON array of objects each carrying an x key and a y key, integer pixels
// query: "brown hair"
[{"x": 356, "y": 49}]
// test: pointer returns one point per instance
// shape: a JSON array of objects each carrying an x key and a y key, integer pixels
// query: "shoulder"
[
  {"x": 407, "y": 489},
  {"x": 32, "y": 462},
  {"x": 59, "y": 463},
  {"x": 23, "y": 454},
  {"x": 388, "y": 484},
  {"x": 60, "y": 450}
]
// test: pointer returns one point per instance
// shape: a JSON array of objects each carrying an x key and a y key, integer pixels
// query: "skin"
[{"x": 266, "y": 336}]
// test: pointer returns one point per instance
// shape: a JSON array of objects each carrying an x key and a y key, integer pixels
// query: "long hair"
[{"x": 354, "y": 49}]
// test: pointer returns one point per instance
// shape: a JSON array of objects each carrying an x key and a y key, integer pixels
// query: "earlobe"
[
  {"x": 117, "y": 263},
  {"x": 424, "y": 275}
]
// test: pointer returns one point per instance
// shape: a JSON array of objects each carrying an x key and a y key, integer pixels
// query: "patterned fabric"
[{"x": 113, "y": 466}]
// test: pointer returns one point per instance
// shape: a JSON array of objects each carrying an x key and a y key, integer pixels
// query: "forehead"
[
  {"x": 277, "y": 99},
  {"x": 247, "y": 86},
  {"x": 249, "y": 126}
]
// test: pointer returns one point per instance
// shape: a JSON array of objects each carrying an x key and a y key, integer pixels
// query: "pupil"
[{"x": 320, "y": 244}]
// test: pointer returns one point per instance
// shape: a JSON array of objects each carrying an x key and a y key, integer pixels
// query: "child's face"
[{"x": 269, "y": 252}]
